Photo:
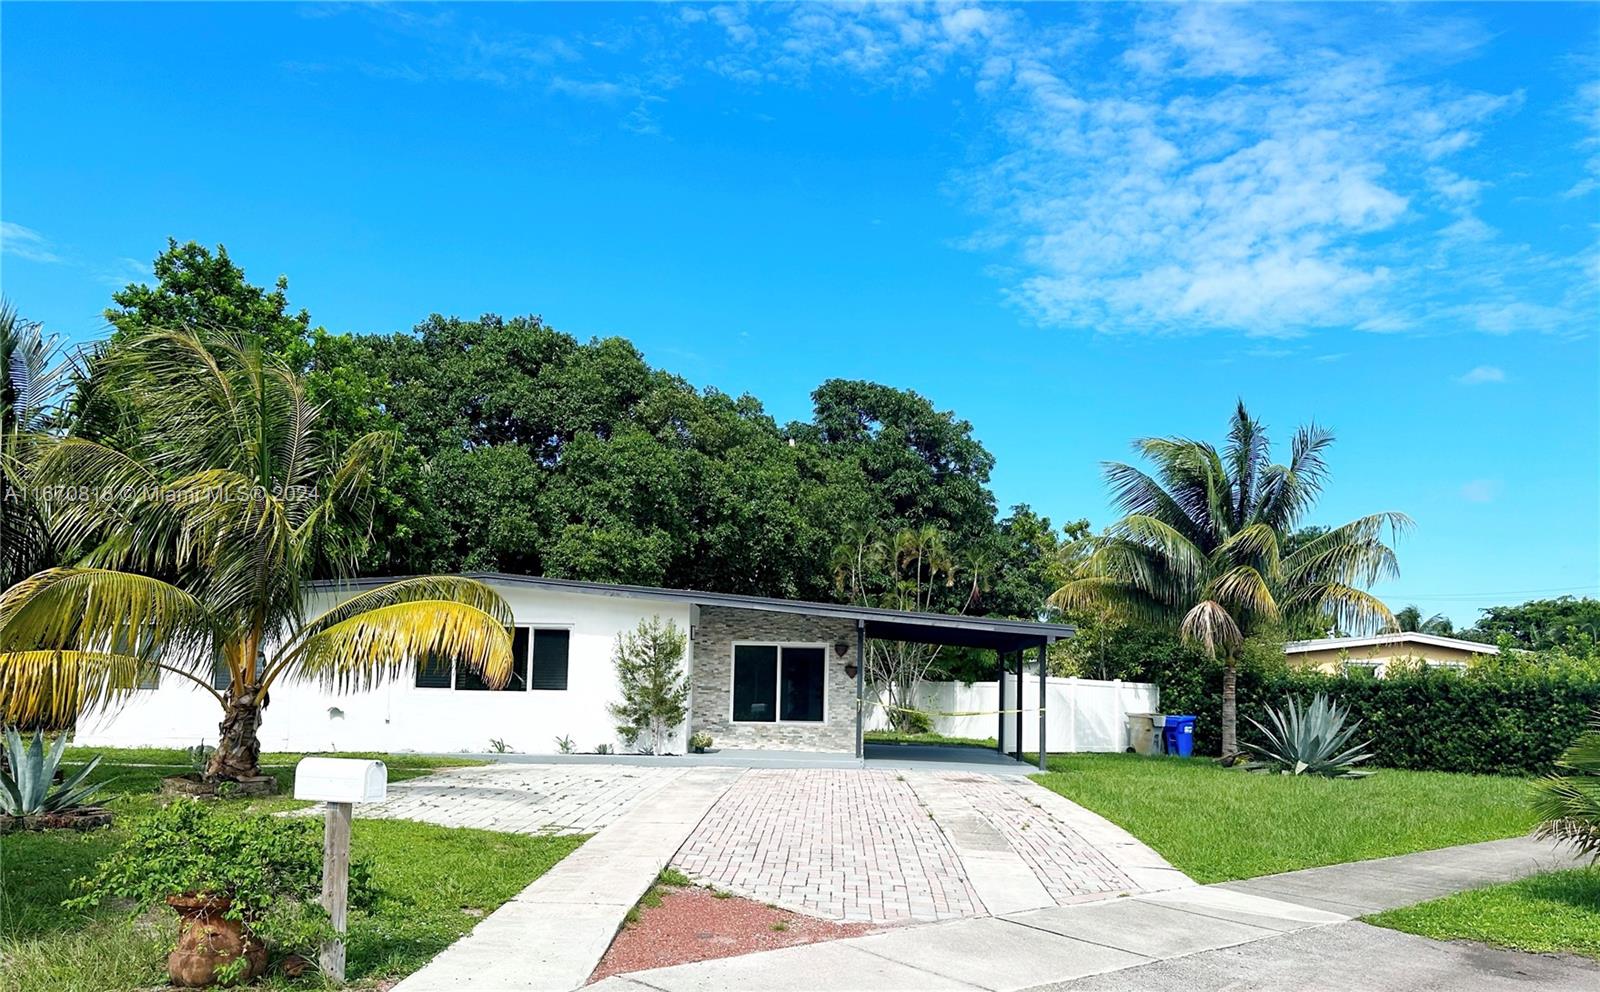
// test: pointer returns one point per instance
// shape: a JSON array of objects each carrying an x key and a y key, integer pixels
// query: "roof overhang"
[{"x": 892, "y": 625}]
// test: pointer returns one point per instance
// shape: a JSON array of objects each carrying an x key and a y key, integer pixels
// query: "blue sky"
[{"x": 1074, "y": 225}]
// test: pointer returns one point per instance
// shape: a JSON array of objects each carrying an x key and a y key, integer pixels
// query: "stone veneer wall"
[{"x": 715, "y": 632}]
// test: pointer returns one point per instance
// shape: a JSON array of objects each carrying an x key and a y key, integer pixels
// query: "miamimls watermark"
[{"x": 146, "y": 493}]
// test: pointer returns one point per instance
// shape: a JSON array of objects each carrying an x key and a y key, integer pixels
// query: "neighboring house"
[
  {"x": 763, "y": 673},
  {"x": 1353, "y": 655}
]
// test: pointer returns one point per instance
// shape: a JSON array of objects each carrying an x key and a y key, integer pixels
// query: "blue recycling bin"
[{"x": 1178, "y": 735}]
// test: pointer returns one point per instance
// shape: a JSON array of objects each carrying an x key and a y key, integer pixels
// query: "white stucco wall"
[{"x": 398, "y": 716}]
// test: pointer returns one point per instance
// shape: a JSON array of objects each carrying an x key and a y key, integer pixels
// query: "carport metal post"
[
  {"x": 861, "y": 689},
  {"x": 1044, "y": 652}
]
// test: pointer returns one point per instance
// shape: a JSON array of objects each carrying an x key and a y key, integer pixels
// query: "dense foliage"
[
  {"x": 523, "y": 449},
  {"x": 1500, "y": 719},
  {"x": 1539, "y": 624}
]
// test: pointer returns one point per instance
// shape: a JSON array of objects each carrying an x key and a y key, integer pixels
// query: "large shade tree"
[
  {"x": 194, "y": 539},
  {"x": 1203, "y": 540}
]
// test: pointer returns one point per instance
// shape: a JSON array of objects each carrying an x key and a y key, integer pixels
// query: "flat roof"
[
  {"x": 892, "y": 625},
  {"x": 1394, "y": 637}
]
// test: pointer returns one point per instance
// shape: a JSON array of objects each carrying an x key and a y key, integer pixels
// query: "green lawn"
[
  {"x": 1217, "y": 824},
  {"x": 1559, "y": 911},
  {"x": 435, "y": 883}
]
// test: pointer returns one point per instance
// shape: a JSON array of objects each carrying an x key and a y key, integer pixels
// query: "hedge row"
[{"x": 1495, "y": 723}]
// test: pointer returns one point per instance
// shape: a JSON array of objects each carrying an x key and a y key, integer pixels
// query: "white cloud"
[
  {"x": 1262, "y": 169},
  {"x": 1481, "y": 375},
  {"x": 26, "y": 243},
  {"x": 1481, "y": 490}
]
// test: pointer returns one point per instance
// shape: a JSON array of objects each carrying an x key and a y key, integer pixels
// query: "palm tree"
[
  {"x": 1200, "y": 544},
  {"x": 195, "y": 543},
  {"x": 31, "y": 374},
  {"x": 1568, "y": 801},
  {"x": 909, "y": 569},
  {"x": 1410, "y": 618}
]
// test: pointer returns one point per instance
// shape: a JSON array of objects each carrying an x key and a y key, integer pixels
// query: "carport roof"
[{"x": 890, "y": 625}]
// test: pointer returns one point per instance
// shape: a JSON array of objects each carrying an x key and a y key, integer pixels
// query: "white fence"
[{"x": 1081, "y": 714}]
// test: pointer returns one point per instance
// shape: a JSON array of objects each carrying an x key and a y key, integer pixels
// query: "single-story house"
[
  {"x": 764, "y": 673},
  {"x": 1373, "y": 654}
]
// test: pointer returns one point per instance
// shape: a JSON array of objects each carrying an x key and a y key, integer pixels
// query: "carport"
[{"x": 1010, "y": 640}]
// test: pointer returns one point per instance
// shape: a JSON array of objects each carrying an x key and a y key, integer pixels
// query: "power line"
[{"x": 1497, "y": 592}]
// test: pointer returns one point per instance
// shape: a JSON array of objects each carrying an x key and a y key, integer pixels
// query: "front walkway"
[
  {"x": 1192, "y": 939},
  {"x": 523, "y": 798}
]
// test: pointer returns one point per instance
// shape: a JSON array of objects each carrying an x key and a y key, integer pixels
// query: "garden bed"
[
  {"x": 435, "y": 884},
  {"x": 680, "y": 924}
]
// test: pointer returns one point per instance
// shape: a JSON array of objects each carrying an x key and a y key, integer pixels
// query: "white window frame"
[
  {"x": 1454, "y": 666},
  {"x": 777, "y": 685}
]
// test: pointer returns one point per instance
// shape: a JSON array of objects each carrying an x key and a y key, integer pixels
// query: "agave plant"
[
  {"x": 30, "y": 787},
  {"x": 1309, "y": 741},
  {"x": 1568, "y": 802}
]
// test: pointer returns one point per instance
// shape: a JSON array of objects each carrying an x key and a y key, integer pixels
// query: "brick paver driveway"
[
  {"x": 866, "y": 845},
  {"x": 870, "y": 845},
  {"x": 847, "y": 845}
]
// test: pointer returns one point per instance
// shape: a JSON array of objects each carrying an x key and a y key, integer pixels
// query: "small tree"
[{"x": 655, "y": 693}]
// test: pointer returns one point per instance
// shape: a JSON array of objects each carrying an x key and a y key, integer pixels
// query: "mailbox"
[{"x": 341, "y": 780}]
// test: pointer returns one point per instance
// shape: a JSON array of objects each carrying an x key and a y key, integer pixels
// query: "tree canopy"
[{"x": 521, "y": 448}]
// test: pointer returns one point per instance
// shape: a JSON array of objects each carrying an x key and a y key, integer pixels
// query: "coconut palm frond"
[
  {"x": 54, "y": 688},
  {"x": 1256, "y": 544},
  {"x": 363, "y": 649},
  {"x": 446, "y": 588},
  {"x": 98, "y": 610},
  {"x": 1349, "y": 608},
  {"x": 1113, "y": 595},
  {"x": 1246, "y": 591},
  {"x": 1289, "y": 491},
  {"x": 1247, "y": 454},
  {"x": 1135, "y": 492},
  {"x": 1180, "y": 555},
  {"x": 1208, "y": 626}
]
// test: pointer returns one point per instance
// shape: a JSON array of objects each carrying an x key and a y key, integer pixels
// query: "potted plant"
[
  {"x": 700, "y": 742},
  {"x": 32, "y": 798},
  {"x": 239, "y": 884}
]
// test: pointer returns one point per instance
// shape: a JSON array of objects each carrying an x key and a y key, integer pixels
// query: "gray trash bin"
[{"x": 1142, "y": 736}]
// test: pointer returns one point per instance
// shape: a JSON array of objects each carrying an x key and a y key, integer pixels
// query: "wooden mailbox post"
[{"x": 339, "y": 782}]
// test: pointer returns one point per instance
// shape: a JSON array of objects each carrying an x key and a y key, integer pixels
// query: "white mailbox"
[{"x": 341, "y": 780}]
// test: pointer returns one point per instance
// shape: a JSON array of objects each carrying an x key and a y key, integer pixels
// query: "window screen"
[
  {"x": 801, "y": 682},
  {"x": 550, "y": 649},
  {"x": 755, "y": 682}
]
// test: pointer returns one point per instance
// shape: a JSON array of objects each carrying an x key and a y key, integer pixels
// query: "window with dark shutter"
[
  {"x": 471, "y": 681},
  {"x": 550, "y": 649},
  {"x": 433, "y": 673}
]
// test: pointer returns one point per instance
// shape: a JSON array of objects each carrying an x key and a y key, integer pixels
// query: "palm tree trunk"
[
  {"x": 1230, "y": 709},
  {"x": 238, "y": 753}
]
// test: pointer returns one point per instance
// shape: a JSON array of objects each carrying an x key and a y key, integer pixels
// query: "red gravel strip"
[{"x": 694, "y": 925}]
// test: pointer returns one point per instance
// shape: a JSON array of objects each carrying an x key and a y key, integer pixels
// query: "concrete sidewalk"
[
  {"x": 550, "y": 937},
  {"x": 1273, "y": 922}
]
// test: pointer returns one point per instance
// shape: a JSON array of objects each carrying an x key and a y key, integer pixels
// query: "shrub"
[
  {"x": 700, "y": 741},
  {"x": 655, "y": 692},
  {"x": 270, "y": 867},
  {"x": 1504, "y": 717},
  {"x": 30, "y": 788},
  {"x": 913, "y": 722},
  {"x": 1309, "y": 741}
]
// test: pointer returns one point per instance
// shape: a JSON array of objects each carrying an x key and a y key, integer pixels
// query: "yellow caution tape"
[{"x": 907, "y": 709}]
